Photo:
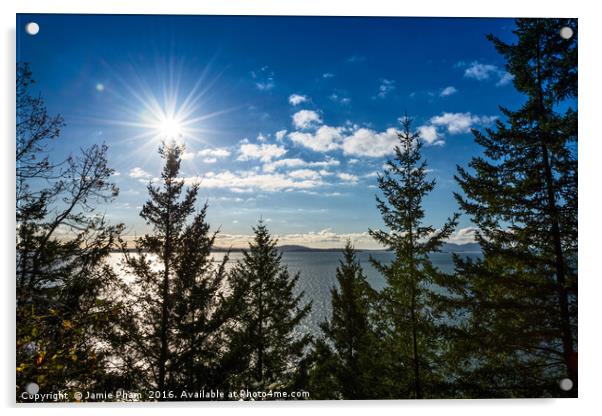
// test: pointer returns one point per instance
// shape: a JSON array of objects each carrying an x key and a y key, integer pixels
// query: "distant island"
[
  {"x": 288, "y": 248},
  {"x": 460, "y": 248},
  {"x": 445, "y": 248}
]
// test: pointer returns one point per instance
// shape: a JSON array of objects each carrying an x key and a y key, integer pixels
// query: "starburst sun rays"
[{"x": 164, "y": 108}]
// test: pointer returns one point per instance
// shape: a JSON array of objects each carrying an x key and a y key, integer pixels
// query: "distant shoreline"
[{"x": 469, "y": 248}]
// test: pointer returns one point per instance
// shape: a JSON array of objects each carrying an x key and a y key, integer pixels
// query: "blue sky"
[{"x": 283, "y": 118}]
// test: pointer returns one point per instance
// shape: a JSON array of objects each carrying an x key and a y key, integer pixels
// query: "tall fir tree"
[
  {"x": 178, "y": 303},
  {"x": 520, "y": 335},
  {"x": 65, "y": 297},
  {"x": 267, "y": 335},
  {"x": 407, "y": 322},
  {"x": 346, "y": 366}
]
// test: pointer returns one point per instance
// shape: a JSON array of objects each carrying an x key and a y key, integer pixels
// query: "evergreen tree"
[
  {"x": 201, "y": 310},
  {"x": 267, "y": 336},
  {"x": 65, "y": 292},
  {"x": 408, "y": 325},
  {"x": 520, "y": 337},
  {"x": 178, "y": 306},
  {"x": 350, "y": 364},
  {"x": 322, "y": 376}
]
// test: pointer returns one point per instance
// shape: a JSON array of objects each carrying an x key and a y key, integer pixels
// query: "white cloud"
[
  {"x": 347, "y": 177},
  {"x": 210, "y": 160},
  {"x": 452, "y": 123},
  {"x": 327, "y": 75},
  {"x": 305, "y": 118},
  {"x": 139, "y": 173},
  {"x": 385, "y": 87},
  {"x": 248, "y": 181},
  {"x": 328, "y": 237},
  {"x": 485, "y": 72},
  {"x": 280, "y": 134},
  {"x": 325, "y": 139},
  {"x": 481, "y": 72},
  {"x": 263, "y": 152},
  {"x": 217, "y": 152},
  {"x": 229, "y": 199},
  {"x": 297, "y": 163},
  {"x": 429, "y": 134},
  {"x": 457, "y": 123},
  {"x": 505, "y": 79},
  {"x": 463, "y": 236},
  {"x": 289, "y": 163},
  {"x": 296, "y": 99},
  {"x": 325, "y": 238},
  {"x": 187, "y": 155},
  {"x": 366, "y": 142},
  {"x": 447, "y": 91},
  {"x": 358, "y": 142},
  {"x": 304, "y": 174}
]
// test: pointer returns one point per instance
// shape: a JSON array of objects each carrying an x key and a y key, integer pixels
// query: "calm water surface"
[{"x": 318, "y": 275}]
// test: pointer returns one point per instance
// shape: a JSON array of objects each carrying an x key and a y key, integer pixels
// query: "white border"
[{"x": 589, "y": 190}]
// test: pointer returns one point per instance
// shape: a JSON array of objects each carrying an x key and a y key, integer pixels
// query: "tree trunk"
[
  {"x": 164, "y": 317},
  {"x": 260, "y": 348},
  {"x": 165, "y": 296},
  {"x": 417, "y": 385}
]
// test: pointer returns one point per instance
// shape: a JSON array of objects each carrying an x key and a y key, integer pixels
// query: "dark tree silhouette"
[
  {"x": 173, "y": 319},
  {"x": 408, "y": 323},
  {"x": 345, "y": 364},
  {"x": 519, "y": 335},
  {"x": 65, "y": 296},
  {"x": 173, "y": 339},
  {"x": 267, "y": 334}
]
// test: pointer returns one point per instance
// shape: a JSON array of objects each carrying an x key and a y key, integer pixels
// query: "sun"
[
  {"x": 168, "y": 104},
  {"x": 169, "y": 122},
  {"x": 170, "y": 128}
]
